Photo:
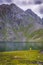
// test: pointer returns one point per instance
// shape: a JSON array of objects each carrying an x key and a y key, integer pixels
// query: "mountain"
[
  {"x": 33, "y": 15},
  {"x": 18, "y": 25},
  {"x": 42, "y": 20},
  {"x": 37, "y": 34}
]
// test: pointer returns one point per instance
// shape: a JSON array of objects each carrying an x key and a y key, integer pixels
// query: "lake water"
[{"x": 13, "y": 46}]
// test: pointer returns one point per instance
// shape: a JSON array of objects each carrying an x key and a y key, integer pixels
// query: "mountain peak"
[
  {"x": 8, "y": 5},
  {"x": 11, "y": 8},
  {"x": 32, "y": 14},
  {"x": 29, "y": 11},
  {"x": 42, "y": 18},
  {"x": 13, "y": 4}
]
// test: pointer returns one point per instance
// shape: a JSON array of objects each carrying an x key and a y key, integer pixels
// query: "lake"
[{"x": 13, "y": 46}]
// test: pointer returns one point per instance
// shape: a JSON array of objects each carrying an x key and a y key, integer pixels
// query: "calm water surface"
[{"x": 13, "y": 46}]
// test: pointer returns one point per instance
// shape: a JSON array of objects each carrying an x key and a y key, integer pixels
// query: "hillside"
[{"x": 18, "y": 25}]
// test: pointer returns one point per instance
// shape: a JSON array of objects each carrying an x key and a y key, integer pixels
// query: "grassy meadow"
[{"x": 30, "y": 57}]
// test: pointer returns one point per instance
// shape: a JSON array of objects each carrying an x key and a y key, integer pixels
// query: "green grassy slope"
[
  {"x": 31, "y": 57},
  {"x": 37, "y": 35},
  {"x": 31, "y": 36}
]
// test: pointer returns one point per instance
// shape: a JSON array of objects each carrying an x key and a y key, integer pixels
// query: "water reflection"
[{"x": 12, "y": 46}]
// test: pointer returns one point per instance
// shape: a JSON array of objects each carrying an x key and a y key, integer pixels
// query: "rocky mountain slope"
[{"x": 18, "y": 25}]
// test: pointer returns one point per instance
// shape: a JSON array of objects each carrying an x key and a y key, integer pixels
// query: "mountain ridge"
[{"x": 18, "y": 25}]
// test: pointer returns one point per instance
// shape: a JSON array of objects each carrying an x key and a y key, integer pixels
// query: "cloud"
[
  {"x": 28, "y": 2},
  {"x": 8, "y": 1},
  {"x": 38, "y": 1},
  {"x": 41, "y": 9},
  {"x": 23, "y": 2},
  {"x": 1, "y": 1}
]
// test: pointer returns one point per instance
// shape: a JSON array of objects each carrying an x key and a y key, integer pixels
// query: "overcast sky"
[{"x": 35, "y": 5}]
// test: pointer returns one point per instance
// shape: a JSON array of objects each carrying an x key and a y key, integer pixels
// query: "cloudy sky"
[{"x": 34, "y": 5}]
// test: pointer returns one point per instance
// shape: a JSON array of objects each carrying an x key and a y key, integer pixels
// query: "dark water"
[{"x": 12, "y": 46}]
